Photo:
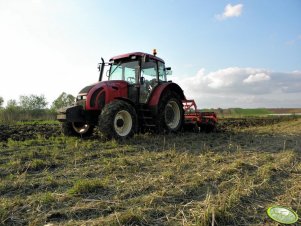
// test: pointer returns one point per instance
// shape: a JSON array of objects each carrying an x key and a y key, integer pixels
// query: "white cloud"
[
  {"x": 230, "y": 11},
  {"x": 243, "y": 87},
  {"x": 257, "y": 78}
]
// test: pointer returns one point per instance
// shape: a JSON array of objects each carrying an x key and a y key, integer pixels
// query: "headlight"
[{"x": 81, "y": 97}]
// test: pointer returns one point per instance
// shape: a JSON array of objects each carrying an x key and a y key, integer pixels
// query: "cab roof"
[{"x": 138, "y": 54}]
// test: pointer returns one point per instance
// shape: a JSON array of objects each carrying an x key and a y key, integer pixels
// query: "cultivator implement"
[{"x": 196, "y": 120}]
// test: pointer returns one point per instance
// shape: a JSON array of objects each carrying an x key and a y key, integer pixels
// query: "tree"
[
  {"x": 33, "y": 102},
  {"x": 11, "y": 104},
  {"x": 1, "y": 101},
  {"x": 221, "y": 111},
  {"x": 64, "y": 100}
]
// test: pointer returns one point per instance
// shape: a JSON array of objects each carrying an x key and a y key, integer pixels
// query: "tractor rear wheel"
[
  {"x": 78, "y": 129},
  {"x": 170, "y": 113},
  {"x": 118, "y": 120}
]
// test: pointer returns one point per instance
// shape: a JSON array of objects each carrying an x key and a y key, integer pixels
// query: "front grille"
[{"x": 81, "y": 103}]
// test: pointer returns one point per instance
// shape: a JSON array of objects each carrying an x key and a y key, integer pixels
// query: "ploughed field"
[
  {"x": 228, "y": 177},
  {"x": 27, "y": 130}
]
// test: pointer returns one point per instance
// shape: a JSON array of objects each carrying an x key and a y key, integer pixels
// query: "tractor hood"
[
  {"x": 97, "y": 94},
  {"x": 113, "y": 84}
]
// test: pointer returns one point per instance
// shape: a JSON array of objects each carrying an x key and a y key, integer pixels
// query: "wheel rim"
[
  {"x": 172, "y": 114},
  {"x": 123, "y": 123},
  {"x": 80, "y": 127}
]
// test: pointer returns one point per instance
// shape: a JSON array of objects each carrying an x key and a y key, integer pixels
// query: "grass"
[
  {"x": 240, "y": 112},
  {"x": 38, "y": 122},
  {"x": 252, "y": 112},
  {"x": 227, "y": 178},
  {"x": 89, "y": 186}
]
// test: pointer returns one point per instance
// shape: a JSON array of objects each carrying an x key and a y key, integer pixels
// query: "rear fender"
[{"x": 161, "y": 89}]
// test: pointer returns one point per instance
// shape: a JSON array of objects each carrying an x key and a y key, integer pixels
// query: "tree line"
[{"x": 33, "y": 107}]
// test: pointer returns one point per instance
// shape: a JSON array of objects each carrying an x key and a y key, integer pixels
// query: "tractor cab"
[{"x": 143, "y": 73}]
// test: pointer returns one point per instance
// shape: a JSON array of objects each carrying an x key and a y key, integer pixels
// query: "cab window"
[
  {"x": 126, "y": 71},
  {"x": 149, "y": 70},
  {"x": 162, "y": 74}
]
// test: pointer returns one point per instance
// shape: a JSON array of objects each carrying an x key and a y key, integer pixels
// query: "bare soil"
[
  {"x": 28, "y": 131},
  {"x": 23, "y": 132}
]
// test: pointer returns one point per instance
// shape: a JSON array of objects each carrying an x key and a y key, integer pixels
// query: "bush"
[
  {"x": 9, "y": 115},
  {"x": 29, "y": 108},
  {"x": 1, "y": 102}
]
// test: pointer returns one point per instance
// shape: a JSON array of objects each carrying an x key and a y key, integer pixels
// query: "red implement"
[{"x": 196, "y": 120}]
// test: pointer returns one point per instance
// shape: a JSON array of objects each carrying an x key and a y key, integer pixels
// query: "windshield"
[{"x": 126, "y": 71}]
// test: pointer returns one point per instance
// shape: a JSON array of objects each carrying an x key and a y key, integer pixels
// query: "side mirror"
[
  {"x": 168, "y": 71},
  {"x": 142, "y": 80}
]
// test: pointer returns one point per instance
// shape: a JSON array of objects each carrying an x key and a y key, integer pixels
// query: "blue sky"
[{"x": 223, "y": 53}]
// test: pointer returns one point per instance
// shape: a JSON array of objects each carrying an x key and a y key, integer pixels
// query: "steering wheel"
[{"x": 153, "y": 82}]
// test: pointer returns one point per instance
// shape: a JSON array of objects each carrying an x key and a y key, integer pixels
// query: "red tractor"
[{"x": 136, "y": 97}]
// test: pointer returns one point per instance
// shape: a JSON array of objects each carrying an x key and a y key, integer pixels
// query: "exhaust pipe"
[{"x": 100, "y": 68}]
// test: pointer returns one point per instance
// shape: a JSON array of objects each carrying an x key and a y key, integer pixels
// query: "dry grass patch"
[{"x": 225, "y": 178}]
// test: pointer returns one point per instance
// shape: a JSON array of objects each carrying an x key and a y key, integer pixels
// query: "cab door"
[{"x": 148, "y": 79}]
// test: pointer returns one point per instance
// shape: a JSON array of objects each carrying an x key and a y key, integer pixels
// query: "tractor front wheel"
[
  {"x": 118, "y": 120},
  {"x": 78, "y": 129}
]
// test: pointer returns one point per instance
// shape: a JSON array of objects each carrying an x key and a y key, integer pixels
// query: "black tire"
[
  {"x": 191, "y": 127},
  {"x": 170, "y": 116},
  {"x": 208, "y": 127},
  {"x": 76, "y": 129},
  {"x": 211, "y": 127},
  {"x": 118, "y": 120}
]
